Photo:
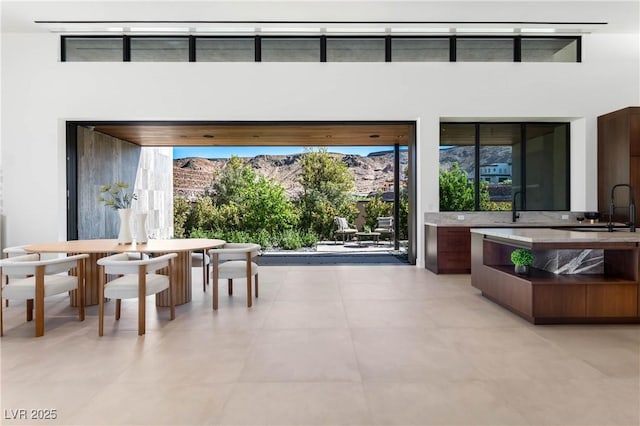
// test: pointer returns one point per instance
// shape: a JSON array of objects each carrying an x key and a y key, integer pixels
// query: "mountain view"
[{"x": 192, "y": 176}]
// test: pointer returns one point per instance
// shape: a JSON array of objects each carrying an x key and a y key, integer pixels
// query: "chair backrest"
[
  {"x": 122, "y": 263},
  {"x": 385, "y": 222},
  {"x": 14, "y": 251},
  {"x": 236, "y": 251},
  {"x": 341, "y": 223},
  {"x": 21, "y": 266}
]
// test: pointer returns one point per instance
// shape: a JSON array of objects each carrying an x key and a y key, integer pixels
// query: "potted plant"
[{"x": 522, "y": 259}]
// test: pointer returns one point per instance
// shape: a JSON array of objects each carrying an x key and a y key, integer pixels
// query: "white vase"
[
  {"x": 124, "y": 234},
  {"x": 141, "y": 228}
]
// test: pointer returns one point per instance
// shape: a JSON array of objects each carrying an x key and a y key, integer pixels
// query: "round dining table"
[{"x": 96, "y": 249}]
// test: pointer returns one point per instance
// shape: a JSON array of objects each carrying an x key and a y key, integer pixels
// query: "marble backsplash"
[{"x": 588, "y": 261}]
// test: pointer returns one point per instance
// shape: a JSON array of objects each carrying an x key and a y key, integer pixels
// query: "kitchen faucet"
[
  {"x": 514, "y": 213},
  {"x": 632, "y": 208}
]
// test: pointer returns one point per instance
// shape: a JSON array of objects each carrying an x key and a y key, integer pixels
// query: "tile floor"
[{"x": 323, "y": 345}]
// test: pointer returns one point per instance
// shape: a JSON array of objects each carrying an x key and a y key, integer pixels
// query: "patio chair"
[
  {"x": 343, "y": 229},
  {"x": 385, "y": 226},
  {"x": 34, "y": 279}
]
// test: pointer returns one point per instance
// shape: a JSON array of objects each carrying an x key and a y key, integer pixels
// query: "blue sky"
[{"x": 252, "y": 151}]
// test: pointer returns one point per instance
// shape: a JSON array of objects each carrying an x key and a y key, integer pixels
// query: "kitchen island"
[{"x": 579, "y": 277}]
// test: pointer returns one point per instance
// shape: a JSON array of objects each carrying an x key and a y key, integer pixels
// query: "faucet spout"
[
  {"x": 632, "y": 207},
  {"x": 514, "y": 210}
]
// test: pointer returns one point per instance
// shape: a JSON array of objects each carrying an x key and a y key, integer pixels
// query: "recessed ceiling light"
[
  {"x": 207, "y": 136},
  {"x": 374, "y": 136}
]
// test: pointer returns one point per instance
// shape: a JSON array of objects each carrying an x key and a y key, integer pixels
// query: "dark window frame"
[
  {"x": 523, "y": 157},
  {"x": 188, "y": 38},
  {"x": 193, "y": 40},
  {"x": 578, "y": 40},
  {"x": 321, "y": 44},
  {"x": 212, "y": 37}
]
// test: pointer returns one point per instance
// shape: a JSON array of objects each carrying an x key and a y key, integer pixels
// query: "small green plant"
[
  {"x": 522, "y": 257},
  {"x": 116, "y": 196}
]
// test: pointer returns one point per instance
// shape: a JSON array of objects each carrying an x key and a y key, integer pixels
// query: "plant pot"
[
  {"x": 124, "y": 234},
  {"x": 521, "y": 269}
]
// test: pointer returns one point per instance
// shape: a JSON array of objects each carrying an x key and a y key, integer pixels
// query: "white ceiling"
[{"x": 619, "y": 16}]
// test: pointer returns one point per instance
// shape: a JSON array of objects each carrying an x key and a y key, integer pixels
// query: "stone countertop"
[
  {"x": 547, "y": 235},
  {"x": 522, "y": 224},
  {"x": 503, "y": 219}
]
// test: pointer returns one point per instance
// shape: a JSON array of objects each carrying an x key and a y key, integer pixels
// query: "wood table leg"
[
  {"x": 181, "y": 280},
  {"x": 91, "y": 281}
]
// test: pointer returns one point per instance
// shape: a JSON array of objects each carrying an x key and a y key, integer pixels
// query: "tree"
[
  {"x": 456, "y": 192},
  {"x": 327, "y": 191}
]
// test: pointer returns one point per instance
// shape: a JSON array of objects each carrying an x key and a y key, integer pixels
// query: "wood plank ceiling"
[{"x": 267, "y": 134}]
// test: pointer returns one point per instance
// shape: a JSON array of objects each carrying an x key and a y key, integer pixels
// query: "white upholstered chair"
[
  {"x": 202, "y": 260},
  {"x": 34, "y": 279},
  {"x": 13, "y": 252},
  {"x": 235, "y": 260},
  {"x": 137, "y": 280}
]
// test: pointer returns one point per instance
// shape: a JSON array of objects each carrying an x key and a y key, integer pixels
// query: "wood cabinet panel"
[
  {"x": 612, "y": 301},
  {"x": 557, "y": 301}
]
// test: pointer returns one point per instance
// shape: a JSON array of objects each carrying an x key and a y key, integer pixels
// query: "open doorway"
[{"x": 397, "y": 137}]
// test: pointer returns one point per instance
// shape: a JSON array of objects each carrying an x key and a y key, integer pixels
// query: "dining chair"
[
  {"x": 201, "y": 259},
  {"x": 34, "y": 279},
  {"x": 235, "y": 260},
  {"x": 138, "y": 279},
  {"x": 12, "y": 252}
]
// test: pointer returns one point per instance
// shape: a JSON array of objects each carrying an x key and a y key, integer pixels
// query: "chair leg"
[
  {"x": 80, "y": 290},
  {"x": 29, "y": 309},
  {"x": 249, "y": 297},
  {"x": 171, "y": 300},
  {"x": 214, "y": 278},
  {"x": 118, "y": 303},
  {"x": 256, "y": 285},
  {"x": 100, "y": 301},
  {"x": 1, "y": 325},
  {"x": 230, "y": 286},
  {"x": 39, "y": 301}
]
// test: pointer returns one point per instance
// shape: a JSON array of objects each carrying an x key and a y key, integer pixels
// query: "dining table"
[{"x": 98, "y": 248}]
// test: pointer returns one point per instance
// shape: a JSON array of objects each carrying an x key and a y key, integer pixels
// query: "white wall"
[{"x": 40, "y": 93}]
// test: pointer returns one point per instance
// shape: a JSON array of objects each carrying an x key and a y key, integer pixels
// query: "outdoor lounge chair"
[
  {"x": 385, "y": 226},
  {"x": 343, "y": 229}
]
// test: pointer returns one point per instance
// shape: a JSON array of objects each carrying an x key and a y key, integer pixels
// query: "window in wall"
[
  {"x": 546, "y": 166},
  {"x": 549, "y": 49},
  {"x": 225, "y": 49},
  {"x": 159, "y": 49},
  {"x": 457, "y": 166},
  {"x": 531, "y": 159},
  {"x": 92, "y": 49},
  {"x": 290, "y": 49},
  {"x": 355, "y": 49},
  {"x": 497, "y": 164},
  {"x": 419, "y": 49},
  {"x": 484, "y": 49}
]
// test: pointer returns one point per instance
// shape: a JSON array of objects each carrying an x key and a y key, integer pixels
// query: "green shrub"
[{"x": 522, "y": 257}]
